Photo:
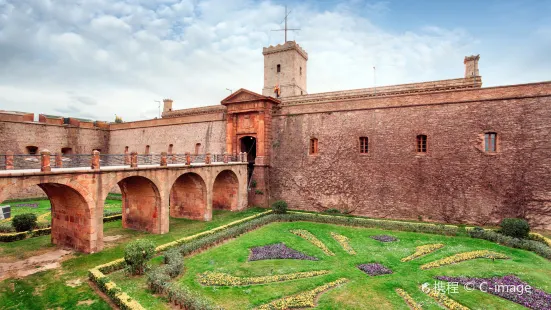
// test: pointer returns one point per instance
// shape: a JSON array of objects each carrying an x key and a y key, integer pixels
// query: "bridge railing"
[{"x": 45, "y": 161}]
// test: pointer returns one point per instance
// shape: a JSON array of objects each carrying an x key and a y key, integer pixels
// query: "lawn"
[
  {"x": 43, "y": 208},
  {"x": 51, "y": 290},
  {"x": 361, "y": 291}
]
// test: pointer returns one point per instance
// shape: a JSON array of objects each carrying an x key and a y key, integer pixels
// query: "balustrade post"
[
  {"x": 126, "y": 157},
  {"x": 95, "y": 160},
  {"x": 58, "y": 161},
  {"x": 9, "y": 160},
  {"x": 133, "y": 159},
  {"x": 244, "y": 157},
  {"x": 45, "y": 161},
  {"x": 207, "y": 159},
  {"x": 188, "y": 159},
  {"x": 225, "y": 157},
  {"x": 163, "y": 159}
]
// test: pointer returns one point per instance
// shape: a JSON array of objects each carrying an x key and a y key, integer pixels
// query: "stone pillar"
[
  {"x": 207, "y": 159},
  {"x": 134, "y": 159},
  {"x": 9, "y": 160},
  {"x": 45, "y": 161},
  {"x": 188, "y": 158},
  {"x": 126, "y": 157},
  {"x": 95, "y": 160},
  {"x": 245, "y": 159},
  {"x": 58, "y": 161},
  {"x": 225, "y": 157},
  {"x": 163, "y": 159}
]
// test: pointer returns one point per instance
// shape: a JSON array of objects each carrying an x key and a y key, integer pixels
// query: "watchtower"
[{"x": 284, "y": 70}]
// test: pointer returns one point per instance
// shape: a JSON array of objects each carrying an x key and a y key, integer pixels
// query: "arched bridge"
[{"x": 150, "y": 195}]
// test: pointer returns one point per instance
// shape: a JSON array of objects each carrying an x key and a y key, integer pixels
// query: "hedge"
[
  {"x": 537, "y": 247},
  {"x": 16, "y": 236}
]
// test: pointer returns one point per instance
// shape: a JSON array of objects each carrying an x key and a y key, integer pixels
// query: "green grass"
[
  {"x": 49, "y": 290},
  {"x": 44, "y": 207},
  {"x": 362, "y": 292}
]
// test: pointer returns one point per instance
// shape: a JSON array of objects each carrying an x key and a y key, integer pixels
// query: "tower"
[
  {"x": 471, "y": 66},
  {"x": 284, "y": 70}
]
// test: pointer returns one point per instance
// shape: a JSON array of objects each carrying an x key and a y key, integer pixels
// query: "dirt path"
[{"x": 34, "y": 264}]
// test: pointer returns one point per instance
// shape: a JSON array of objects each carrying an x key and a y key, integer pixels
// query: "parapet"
[
  {"x": 15, "y": 116},
  {"x": 195, "y": 111},
  {"x": 289, "y": 45}
]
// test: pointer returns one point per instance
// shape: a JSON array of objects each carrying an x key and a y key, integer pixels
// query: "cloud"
[{"x": 98, "y": 58}]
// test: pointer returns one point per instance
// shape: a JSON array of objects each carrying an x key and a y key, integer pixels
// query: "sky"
[{"x": 99, "y": 58}]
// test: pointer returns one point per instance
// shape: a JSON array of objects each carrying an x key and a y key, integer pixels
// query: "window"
[
  {"x": 421, "y": 144},
  {"x": 147, "y": 149},
  {"x": 126, "y": 149},
  {"x": 170, "y": 148},
  {"x": 490, "y": 144},
  {"x": 364, "y": 145},
  {"x": 32, "y": 150},
  {"x": 300, "y": 70},
  {"x": 197, "y": 148},
  {"x": 313, "y": 146},
  {"x": 66, "y": 151},
  {"x": 278, "y": 68}
]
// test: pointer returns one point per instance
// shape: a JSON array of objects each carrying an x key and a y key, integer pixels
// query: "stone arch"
[
  {"x": 188, "y": 197},
  {"x": 225, "y": 191},
  {"x": 72, "y": 221},
  {"x": 141, "y": 204}
]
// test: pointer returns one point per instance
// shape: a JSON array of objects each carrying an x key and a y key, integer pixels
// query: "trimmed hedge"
[
  {"x": 279, "y": 207},
  {"x": 16, "y": 236},
  {"x": 525, "y": 244},
  {"x": 6, "y": 227},
  {"x": 109, "y": 287}
]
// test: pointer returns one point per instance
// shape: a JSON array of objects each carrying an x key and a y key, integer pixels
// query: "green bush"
[
  {"x": 516, "y": 228},
  {"x": 279, "y": 207},
  {"x": 24, "y": 222},
  {"x": 137, "y": 253},
  {"x": 529, "y": 245},
  {"x": 9, "y": 237},
  {"x": 174, "y": 262},
  {"x": 332, "y": 211},
  {"x": 6, "y": 227}
]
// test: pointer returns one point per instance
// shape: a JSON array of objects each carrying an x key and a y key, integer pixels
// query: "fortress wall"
[
  {"x": 184, "y": 136},
  {"x": 16, "y": 136},
  {"x": 455, "y": 181}
]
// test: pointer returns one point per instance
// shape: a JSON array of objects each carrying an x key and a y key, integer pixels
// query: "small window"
[
  {"x": 490, "y": 144},
  {"x": 147, "y": 149},
  {"x": 126, "y": 149},
  {"x": 421, "y": 144},
  {"x": 364, "y": 145},
  {"x": 66, "y": 151},
  {"x": 32, "y": 150},
  {"x": 197, "y": 148},
  {"x": 300, "y": 70},
  {"x": 313, "y": 146},
  {"x": 278, "y": 68},
  {"x": 170, "y": 148}
]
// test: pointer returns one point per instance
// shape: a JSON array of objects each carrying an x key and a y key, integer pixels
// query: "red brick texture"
[
  {"x": 225, "y": 191},
  {"x": 455, "y": 181},
  {"x": 188, "y": 197},
  {"x": 141, "y": 204}
]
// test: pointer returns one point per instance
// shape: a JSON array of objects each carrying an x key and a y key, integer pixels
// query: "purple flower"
[
  {"x": 509, "y": 287},
  {"x": 384, "y": 238},
  {"x": 374, "y": 269},
  {"x": 277, "y": 251}
]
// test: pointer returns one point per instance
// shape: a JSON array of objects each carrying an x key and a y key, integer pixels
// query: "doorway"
[{"x": 248, "y": 144}]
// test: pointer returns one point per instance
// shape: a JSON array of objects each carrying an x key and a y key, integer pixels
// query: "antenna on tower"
[{"x": 285, "y": 29}]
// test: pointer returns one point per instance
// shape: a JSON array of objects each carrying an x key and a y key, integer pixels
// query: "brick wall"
[{"x": 456, "y": 181}]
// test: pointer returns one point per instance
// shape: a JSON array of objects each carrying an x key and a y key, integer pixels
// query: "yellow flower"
[
  {"x": 306, "y": 235},
  {"x": 343, "y": 241},
  {"x": 463, "y": 257},
  {"x": 408, "y": 299},
  {"x": 423, "y": 250}
]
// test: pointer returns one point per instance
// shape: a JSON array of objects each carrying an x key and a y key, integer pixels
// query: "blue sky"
[{"x": 98, "y": 58}]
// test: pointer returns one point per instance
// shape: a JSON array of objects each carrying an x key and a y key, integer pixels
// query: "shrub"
[
  {"x": 517, "y": 228},
  {"x": 6, "y": 227},
  {"x": 279, "y": 207},
  {"x": 137, "y": 253},
  {"x": 24, "y": 222},
  {"x": 332, "y": 211},
  {"x": 174, "y": 262},
  {"x": 530, "y": 245}
]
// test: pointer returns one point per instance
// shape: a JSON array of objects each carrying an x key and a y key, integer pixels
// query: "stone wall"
[
  {"x": 184, "y": 136},
  {"x": 455, "y": 181}
]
